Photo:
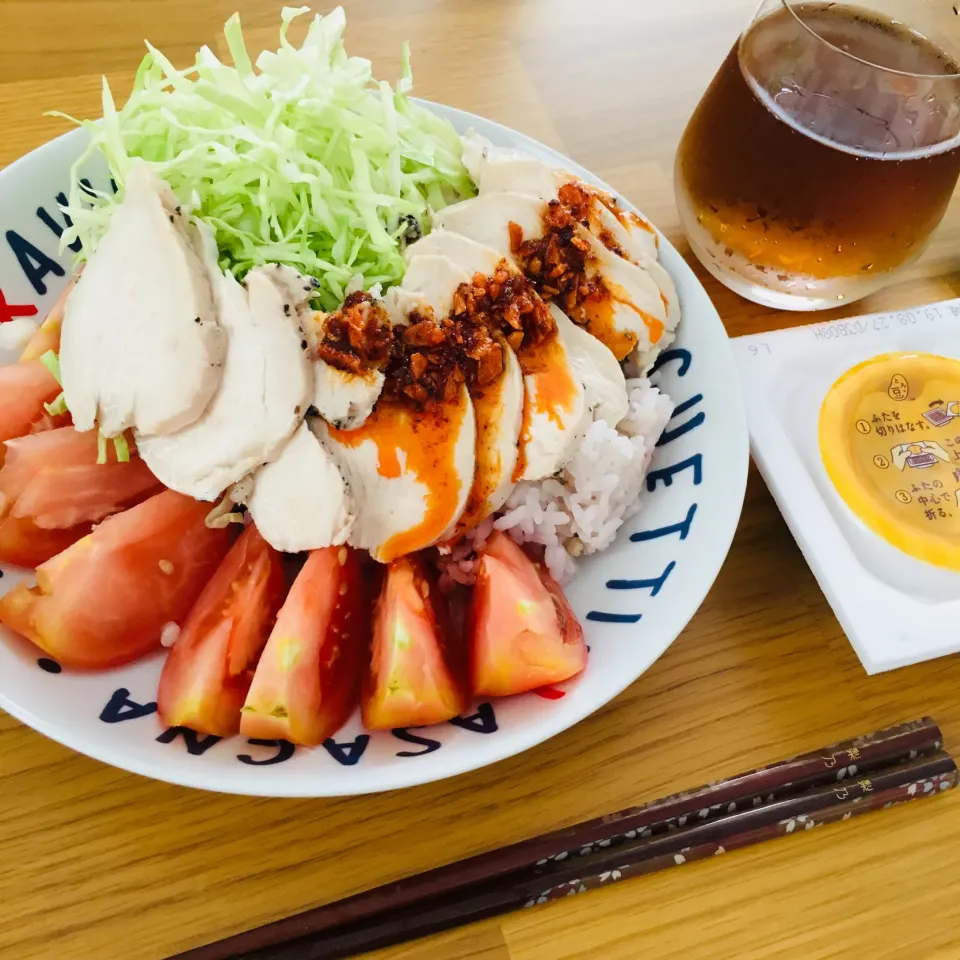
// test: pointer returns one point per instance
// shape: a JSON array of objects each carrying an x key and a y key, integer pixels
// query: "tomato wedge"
[
  {"x": 26, "y": 386},
  {"x": 24, "y": 389},
  {"x": 417, "y": 669},
  {"x": 47, "y": 421},
  {"x": 24, "y": 544},
  {"x": 47, "y": 335},
  {"x": 523, "y": 634},
  {"x": 308, "y": 680},
  {"x": 105, "y": 600},
  {"x": 208, "y": 672},
  {"x": 53, "y": 479}
]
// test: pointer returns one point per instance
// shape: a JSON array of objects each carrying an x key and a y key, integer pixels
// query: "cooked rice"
[
  {"x": 579, "y": 511},
  {"x": 170, "y": 634}
]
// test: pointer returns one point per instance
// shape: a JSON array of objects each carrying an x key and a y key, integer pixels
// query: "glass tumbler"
[{"x": 825, "y": 151}]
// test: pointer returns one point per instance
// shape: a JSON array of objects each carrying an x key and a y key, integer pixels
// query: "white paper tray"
[{"x": 894, "y": 609}]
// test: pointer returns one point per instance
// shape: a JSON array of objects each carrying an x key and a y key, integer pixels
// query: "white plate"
[{"x": 634, "y": 599}]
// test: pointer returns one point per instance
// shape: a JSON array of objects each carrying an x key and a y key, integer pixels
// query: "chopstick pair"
[{"x": 871, "y": 772}]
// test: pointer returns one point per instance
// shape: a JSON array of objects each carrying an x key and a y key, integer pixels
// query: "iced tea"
[{"x": 822, "y": 156}]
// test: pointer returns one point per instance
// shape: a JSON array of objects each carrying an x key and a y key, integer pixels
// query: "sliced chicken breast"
[
  {"x": 498, "y": 405},
  {"x": 605, "y": 386},
  {"x": 477, "y": 150},
  {"x": 499, "y": 418},
  {"x": 486, "y": 219},
  {"x": 609, "y": 224},
  {"x": 637, "y": 245},
  {"x": 632, "y": 315},
  {"x": 502, "y": 170},
  {"x": 410, "y": 468},
  {"x": 409, "y": 473},
  {"x": 469, "y": 255},
  {"x": 264, "y": 394},
  {"x": 639, "y": 234},
  {"x": 400, "y": 303},
  {"x": 141, "y": 346},
  {"x": 301, "y": 501},
  {"x": 342, "y": 397},
  {"x": 519, "y": 174},
  {"x": 633, "y": 319},
  {"x": 345, "y": 399},
  {"x": 434, "y": 278},
  {"x": 555, "y": 412}
]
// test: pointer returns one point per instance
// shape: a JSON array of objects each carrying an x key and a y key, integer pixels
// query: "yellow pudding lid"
[{"x": 890, "y": 441}]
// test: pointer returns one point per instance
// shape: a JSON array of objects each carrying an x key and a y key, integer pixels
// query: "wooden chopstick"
[
  {"x": 927, "y": 776},
  {"x": 850, "y": 758}
]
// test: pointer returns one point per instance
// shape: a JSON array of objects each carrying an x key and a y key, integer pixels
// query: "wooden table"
[{"x": 96, "y": 864}]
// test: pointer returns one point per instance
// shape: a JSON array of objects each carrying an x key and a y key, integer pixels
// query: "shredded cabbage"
[
  {"x": 51, "y": 361},
  {"x": 122, "y": 448},
  {"x": 58, "y": 407},
  {"x": 302, "y": 158}
]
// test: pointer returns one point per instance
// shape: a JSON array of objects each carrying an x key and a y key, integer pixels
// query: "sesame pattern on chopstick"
[
  {"x": 869, "y": 772},
  {"x": 925, "y": 776}
]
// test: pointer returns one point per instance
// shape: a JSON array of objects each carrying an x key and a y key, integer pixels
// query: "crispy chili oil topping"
[
  {"x": 577, "y": 201},
  {"x": 431, "y": 358},
  {"x": 428, "y": 359},
  {"x": 506, "y": 302},
  {"x": 580, "y": 203},
  {"x": 425, "y": 362},
  {"x": 357, "y": 337},
  {"x": 556, "y": 263}
]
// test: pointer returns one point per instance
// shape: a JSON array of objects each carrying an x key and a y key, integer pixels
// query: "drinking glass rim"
[{"x": 788, "y": 5}]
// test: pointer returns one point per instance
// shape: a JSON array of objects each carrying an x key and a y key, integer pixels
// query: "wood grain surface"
[{"x": 96, "y": 864}]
